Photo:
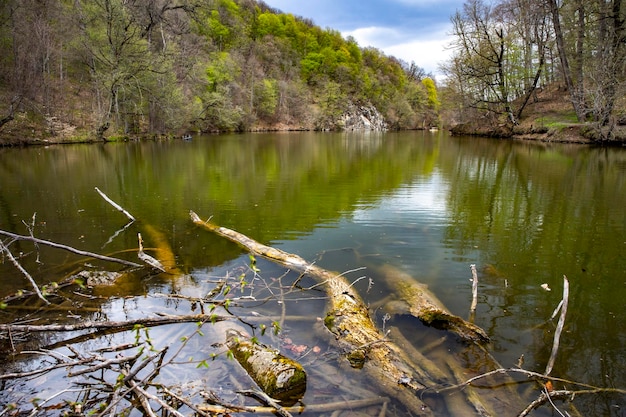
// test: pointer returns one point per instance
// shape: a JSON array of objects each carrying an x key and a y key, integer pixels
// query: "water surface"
[{"x": 525, "y": 214}]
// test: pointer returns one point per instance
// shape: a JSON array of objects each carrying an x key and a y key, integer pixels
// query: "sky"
[{"x": 411, "y": 30}]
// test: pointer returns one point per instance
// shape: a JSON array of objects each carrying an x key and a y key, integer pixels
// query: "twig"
[
  {"x": 268, "y": 401},
  {"x": 559, "y": 327},
  {"x": 530, "y": 374},
  {"x": 162, "y": 403},
  {"x": 184, "y": 401},
  {"x": 114, "y": 204},
  {"x": 39, "y": 405},
  {"x": 105, "y": 364},
  {"x": 545, "y": 390},
  {"x": 70, "y": 249},
  {"x": 143, "y": 397},
  {"x": 544, "y": 398},
  {"x": 31, "y": 228},
  {"x": 6, "y": 250},
  {"x": 222, "y": 407}
]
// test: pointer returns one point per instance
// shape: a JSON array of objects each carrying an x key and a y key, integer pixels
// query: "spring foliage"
[{"x": 114, "y": 67}]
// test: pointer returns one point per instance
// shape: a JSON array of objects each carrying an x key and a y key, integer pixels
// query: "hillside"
[{"x": 113, "y": 69}]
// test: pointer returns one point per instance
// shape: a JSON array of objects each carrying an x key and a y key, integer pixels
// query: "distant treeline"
[{"x": 105, "y": 68}]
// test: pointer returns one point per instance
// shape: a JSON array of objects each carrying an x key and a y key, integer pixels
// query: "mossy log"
[
  {"x": 365, "y": 347},
  {"x": 278, "y": 376},
  {"x": 420, "y": 302}
]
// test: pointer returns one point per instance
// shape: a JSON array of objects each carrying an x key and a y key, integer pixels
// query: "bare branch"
[
  {"x": 6, "y": 250},
  {"x": 121, "y": 325},
  {"x": 559, "y": 327},
  {"x": 70, "y": 249},
  {"x": 114, "y": 204}
]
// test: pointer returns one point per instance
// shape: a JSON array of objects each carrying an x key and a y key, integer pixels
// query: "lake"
[{"x": 427, "y": 204}]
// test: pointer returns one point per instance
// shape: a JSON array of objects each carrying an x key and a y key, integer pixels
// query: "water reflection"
[{"x": 431, "y": 205}]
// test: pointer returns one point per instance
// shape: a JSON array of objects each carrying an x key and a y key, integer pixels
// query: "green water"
[{"x": 431, "y": 205}]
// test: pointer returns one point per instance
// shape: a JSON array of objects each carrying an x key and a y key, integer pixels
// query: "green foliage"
[
  {"x": 332, "y": 103},
  {"x": 221, "y": 70},
  {"x": 311, "y": 65},
  {"x": 431, "y": 91},
  {"x": 266, "y": 97},
  {"x": 130, "y": 68},
  {"x": 269, "y": 24}
]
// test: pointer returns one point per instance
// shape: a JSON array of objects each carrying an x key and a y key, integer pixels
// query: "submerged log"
[
  {"x": 420, "y": 302},
  {"x": 349, "y": 322},
  {"x": 279, "y": 377}
]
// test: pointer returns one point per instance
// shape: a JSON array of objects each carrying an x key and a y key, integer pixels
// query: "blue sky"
[{"x": 412, "y": 30}]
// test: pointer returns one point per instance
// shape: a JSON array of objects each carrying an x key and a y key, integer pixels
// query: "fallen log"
[
  {"x": 349, "y": 322},
  {"x": 420, "y": 302},
  {"x": 278, "y": 376}
]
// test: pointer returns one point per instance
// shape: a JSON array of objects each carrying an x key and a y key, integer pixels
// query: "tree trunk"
[{"x": 575, "y": 94}]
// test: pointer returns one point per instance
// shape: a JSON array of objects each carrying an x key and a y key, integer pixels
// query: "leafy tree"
[
  {"x": 266, "y": 97},
  {"x": 431, "y": 91}
]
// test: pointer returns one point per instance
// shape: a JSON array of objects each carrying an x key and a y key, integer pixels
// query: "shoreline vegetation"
[
  {"x": 118, "y": 71},
  {"x": 548, "y": 120}
]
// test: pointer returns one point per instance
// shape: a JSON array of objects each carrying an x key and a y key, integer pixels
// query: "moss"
[
  {"x": 356, "y": 358},
  {"x": 278, "y": 376},
  {"x": 329, "y": 320}
]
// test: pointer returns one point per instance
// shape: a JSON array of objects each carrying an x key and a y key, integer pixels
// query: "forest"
[
  {"x": 507, "y": 52},
  {"x": 119, "y": 69},
  {"x": 108, "y": 69}
]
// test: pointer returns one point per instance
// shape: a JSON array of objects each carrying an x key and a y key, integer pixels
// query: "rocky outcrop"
[{"x": 362, "y": 117}]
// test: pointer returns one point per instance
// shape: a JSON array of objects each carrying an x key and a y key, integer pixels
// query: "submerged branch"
[
  {"x": 559, "y": 327},
  {"x": 70, "y": 249},
  {"x": 119, "y": 325},
  {"x": 221, "y": 407},
  {"x": 30, "y": 279}
]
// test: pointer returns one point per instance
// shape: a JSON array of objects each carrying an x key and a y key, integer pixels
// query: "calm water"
[{"x": 427, "y": 204}]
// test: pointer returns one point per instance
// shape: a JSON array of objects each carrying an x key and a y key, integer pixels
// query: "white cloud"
[
  {"x": 427, "y": 51},
  {"x": 376, "y": 36}
]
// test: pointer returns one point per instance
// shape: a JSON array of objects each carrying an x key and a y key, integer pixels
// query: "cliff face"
[{"x": 363, "y": 117}]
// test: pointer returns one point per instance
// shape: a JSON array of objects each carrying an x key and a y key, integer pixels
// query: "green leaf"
[{"x": 203, "y": 364}]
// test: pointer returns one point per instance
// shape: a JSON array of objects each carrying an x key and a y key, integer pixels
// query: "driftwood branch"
[
  {"x": 280, "y": 377},
  {"x": 559, "y": 327},
  {"x": 474, "y": 289},
  {"x": 114, "y": 204},
  {"x": 221, "y": 407},
  {"x": 149, "y": 260},
  {"x": 70, "y": 249}
]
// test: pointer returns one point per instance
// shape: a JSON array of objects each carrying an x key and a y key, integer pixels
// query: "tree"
[
  {"x": 483, "y": 46},
  {"x": 574, "y": 86},
  {"x": 608, "y": 73}
]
